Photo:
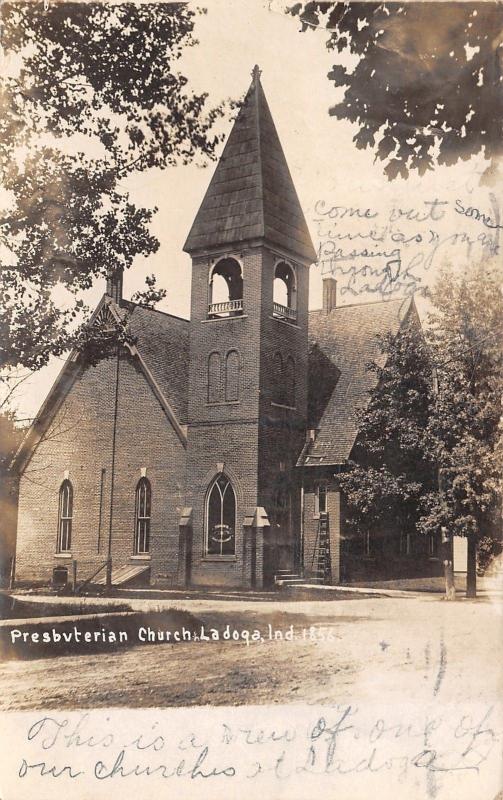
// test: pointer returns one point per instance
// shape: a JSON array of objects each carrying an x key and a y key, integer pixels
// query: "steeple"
[{"x": 251, "y": 195}]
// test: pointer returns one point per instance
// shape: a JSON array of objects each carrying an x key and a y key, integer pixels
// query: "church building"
[{"x": 206, "y": 452}]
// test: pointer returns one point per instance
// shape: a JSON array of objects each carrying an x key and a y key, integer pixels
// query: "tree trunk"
[
  {"x": 471, "y": 568},
  {"x": 450, "y": 589}
]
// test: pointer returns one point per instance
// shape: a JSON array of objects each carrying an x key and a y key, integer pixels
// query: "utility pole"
[
  {"x": 108, "y": 582},
  {"x": 447, "y": 550}
]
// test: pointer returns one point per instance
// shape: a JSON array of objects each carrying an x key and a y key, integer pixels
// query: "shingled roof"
[
  {"x": 163, "y": 342},
  {"x": 251, "y": 194},
  {"x": 342, "y": 343}
]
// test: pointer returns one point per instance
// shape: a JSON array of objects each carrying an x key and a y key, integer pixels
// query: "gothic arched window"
[
  {"x": 214, "y": 378},
  {"x": 226, "y": 289},
  {"x": 142, "y": 517},
  {"x": 232, "y": 376},
  {"x": 65, "y": 517},
  {"x": 284, "y": 292},
  {"x": 221, "y": 518}
]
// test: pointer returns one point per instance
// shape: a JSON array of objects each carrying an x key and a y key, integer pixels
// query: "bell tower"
[{"x": 251, "y": 252}]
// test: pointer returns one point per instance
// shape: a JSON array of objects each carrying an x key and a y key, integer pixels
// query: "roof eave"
[{"x": 307, "y": 257}]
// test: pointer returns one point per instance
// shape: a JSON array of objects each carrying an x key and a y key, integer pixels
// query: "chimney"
[
  {"x": 114, "y": 285},
  {"x": 329, "y": 294}
]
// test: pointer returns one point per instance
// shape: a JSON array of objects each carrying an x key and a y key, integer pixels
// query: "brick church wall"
[
  {"x": 79, "y": 442},
  {"x": 311, "y": 522},
  {"x": 257, "y": 443},
  {"x": 282, "y": 430},
  {"x": 223, "y": 432}
]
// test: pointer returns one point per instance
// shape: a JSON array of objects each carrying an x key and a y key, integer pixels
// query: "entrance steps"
[
  {"x": 125, "y": 575},
  {"x": 285, "y": 578}
]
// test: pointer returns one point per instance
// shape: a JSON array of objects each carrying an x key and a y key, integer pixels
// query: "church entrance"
[{"x": 278, "y": 552}]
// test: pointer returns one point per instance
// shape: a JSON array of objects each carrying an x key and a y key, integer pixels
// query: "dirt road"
[{"x": 419, "y": 646}]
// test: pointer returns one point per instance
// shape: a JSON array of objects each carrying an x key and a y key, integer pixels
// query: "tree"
[
  {"x": 84, "y": 77},
  {"x": 391, "y": 469},
  {"x": 10, "y": 439},
  {"x": 426, "y": 87},
  {"x": 465, "y": 429},
  {"x": 430, "y": 450},
  {"x": 149, "y": 297}
]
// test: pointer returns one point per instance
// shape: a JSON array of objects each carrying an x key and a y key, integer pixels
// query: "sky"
[{"x": 342, "y": 190}]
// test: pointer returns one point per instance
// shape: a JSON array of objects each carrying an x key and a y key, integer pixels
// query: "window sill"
[
  {"x": 220, "y": 559},
  {"x": 282, "y": 405},
  {"x": 224, "y": 403},
  {"x": 291, "y": 324},
  {"x": 62, "y": 555},
  {"x": 225, "y": 319},
  {"x": 140, "y": 557}
]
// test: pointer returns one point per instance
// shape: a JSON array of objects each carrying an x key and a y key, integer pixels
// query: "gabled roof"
[
  {"x": 341, "y": 345},
  {"x": 162, "y": 351},
  {"x": 163, "y": 343},
  {"x": 251, "y": 194}
]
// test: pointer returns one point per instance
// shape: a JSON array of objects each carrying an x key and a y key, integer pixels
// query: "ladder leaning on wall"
[{"x": 321, "y": 563}]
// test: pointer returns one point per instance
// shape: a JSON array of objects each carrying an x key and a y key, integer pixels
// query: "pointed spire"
[
  {"x": 251, "y": 195},
  {"x": 256, "y": 73}
]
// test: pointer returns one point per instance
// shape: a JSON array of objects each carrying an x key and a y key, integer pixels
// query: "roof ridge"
[
  {"x": 157, "y": 311},
  {"x": 256, "y": 87},
  {"x": 365, "y": 303}
]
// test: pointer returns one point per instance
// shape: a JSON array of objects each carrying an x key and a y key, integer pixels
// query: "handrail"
[
  {"x": 229, "y": 305},
  {"x": 88, "y": 580},
  {"x": 284, "y": 311}
]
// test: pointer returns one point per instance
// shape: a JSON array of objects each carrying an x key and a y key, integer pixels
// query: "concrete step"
[
  {"x": 296, "y": 581},
  {"x": 288, "y": 581}
]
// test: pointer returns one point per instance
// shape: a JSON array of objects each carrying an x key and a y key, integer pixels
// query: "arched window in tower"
[
  {"x": 278, "y": 394},
  {"x": 65, "y": 517},
  {"x": 226, "y": 289},
  {"x": 232, "y": 376},
  {"x": 284, "y": 292},
  {"x": 289, "y": 373},
  {"x": 142, "y": 517},
  {"x": 221, "y": 518},
  {"x": 214, "y": 378}
]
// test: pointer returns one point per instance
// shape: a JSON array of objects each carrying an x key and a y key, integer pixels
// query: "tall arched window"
[
  {"x": 221, "y": 518},
  {"x": 214, "y": 378},
  {"x": 278, "y": 394},
  {"x": 289, "y": 377},
  {"x": 226, "y": 289},
  {"x": 284, "y": 292},
  {"x": 142, "y": 517},
  {"x": 65, "y": 517},
  {"x": 232, "y": 376}
]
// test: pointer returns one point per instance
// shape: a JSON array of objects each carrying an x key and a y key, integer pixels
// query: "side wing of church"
[{"x": 207, "y": 452}]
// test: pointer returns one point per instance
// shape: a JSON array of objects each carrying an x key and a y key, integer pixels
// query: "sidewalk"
[{"x": 485, "y": 586}]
